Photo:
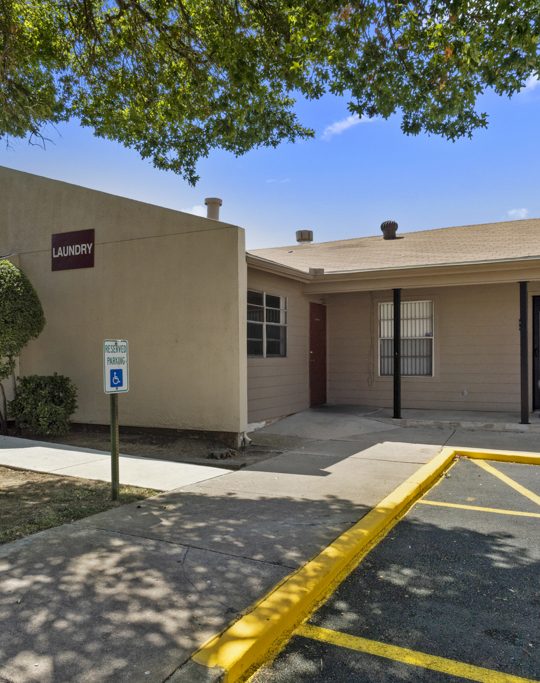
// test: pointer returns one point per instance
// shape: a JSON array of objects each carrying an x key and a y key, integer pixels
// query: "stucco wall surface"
[
  {"x": 280, "y": 386},
  {"x": 171, "y": 283},
  {"x": 476, "y": 350}
]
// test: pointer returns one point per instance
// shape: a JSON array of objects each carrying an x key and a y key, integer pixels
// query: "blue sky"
[{"x": 342, "y": 184}]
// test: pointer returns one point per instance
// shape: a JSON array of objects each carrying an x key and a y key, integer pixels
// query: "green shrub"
[
  {"x": 21, "y": 315},
  {"x": 44, "y": 404},
  {"x": 21, "y": 319}
]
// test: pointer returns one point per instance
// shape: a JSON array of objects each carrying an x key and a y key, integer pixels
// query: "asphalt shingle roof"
[{"x": 507, "y": 240}]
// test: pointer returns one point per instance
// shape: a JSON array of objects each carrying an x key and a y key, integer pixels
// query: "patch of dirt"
[
  {"x": 177, "y": 447},
  {"x": 33, "y": 501}
]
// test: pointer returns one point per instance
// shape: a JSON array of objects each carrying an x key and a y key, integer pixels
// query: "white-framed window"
[
  {"x": 266, "y": 325},
  {"x": 416, "y": 338}
]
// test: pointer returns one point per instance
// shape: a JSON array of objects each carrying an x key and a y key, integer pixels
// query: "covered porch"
[
  {"x": 466, "y": 353},
  {"x": 349, "y": 422}
]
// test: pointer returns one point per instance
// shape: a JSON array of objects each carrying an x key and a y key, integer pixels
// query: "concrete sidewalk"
[
  {"x": 70, "y": 461},
  {"x": 129, "y": 594},
  {"x": 342, "y": 420}
]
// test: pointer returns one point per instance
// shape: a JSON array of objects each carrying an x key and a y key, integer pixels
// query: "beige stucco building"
[
  {"x": 172, "y": 284},
  {"x": 317, "y": 318}
]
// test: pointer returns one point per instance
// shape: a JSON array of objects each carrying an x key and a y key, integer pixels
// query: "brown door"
[{"x": 317, "y": 354}]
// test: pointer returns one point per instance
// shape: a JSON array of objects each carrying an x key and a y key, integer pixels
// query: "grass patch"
[{"x": 33, "y": 501}]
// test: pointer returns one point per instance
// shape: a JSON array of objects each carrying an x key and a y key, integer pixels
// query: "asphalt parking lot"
[{"x": 452, "y": 593}]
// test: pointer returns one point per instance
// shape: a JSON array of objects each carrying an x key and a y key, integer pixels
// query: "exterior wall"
[
  {"x": 280, "y": 386},
  {"x": 171, "y": 283},
  {"x": 476, "y": 350}
]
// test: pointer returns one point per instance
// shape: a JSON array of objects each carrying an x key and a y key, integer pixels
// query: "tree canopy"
[{"x": 174, "y": 79}]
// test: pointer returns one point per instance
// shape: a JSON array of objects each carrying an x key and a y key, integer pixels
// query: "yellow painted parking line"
[
  {"x": 507, "y": 480},
  {"x": 268, "y": 625},
  {"x": 477, "y": 508},
  {"x": 411, "y": 657},
  {"x": 264, "y": 628}
]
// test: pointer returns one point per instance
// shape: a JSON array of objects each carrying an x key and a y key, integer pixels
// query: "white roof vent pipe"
[
  {"x": 304, "y": 236},
  {"x": 212, "y": 207}
]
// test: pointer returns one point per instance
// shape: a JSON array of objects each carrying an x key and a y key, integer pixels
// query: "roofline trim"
[
  {"x": 447, "y": 264},
  {"x": 340, "y": 275},
  {"x": 279, "y": 269}
]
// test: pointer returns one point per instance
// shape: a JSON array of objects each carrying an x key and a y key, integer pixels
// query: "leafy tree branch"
[{"x": 174, "y": 79}]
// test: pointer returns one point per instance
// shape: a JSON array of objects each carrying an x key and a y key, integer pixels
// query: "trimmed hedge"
[{"x": 44, "y": 404}]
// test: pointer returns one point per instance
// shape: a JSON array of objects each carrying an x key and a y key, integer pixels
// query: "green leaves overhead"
[{"x": 174, "y": 79}]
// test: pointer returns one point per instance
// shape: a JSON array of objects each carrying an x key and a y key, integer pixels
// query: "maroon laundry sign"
[{"x": 72, "y": 250}]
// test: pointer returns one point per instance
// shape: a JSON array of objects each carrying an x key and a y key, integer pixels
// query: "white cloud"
[
  {"x": 517, "y": 214},
  {"x": 341, "y": 126},
  {"x": 197, "y": 210},
  {"x": 531, "y": 83}
]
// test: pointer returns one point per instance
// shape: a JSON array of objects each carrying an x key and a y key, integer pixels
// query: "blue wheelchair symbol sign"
[
  {"x": 115, "y": 366},
  {"x": 117, "y": 378}
]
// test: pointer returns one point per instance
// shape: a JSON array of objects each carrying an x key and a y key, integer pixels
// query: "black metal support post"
[
  {"x": 397, "y": 354},
  {"x": 115, "y": 440},
  {"x": 524, "y": 351}
]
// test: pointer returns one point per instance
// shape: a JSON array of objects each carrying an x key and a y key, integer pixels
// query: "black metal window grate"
[{"x": 416, "y": 338}]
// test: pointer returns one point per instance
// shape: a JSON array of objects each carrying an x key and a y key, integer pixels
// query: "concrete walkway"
[
  {"x": 129, "y": 594},
  {"x": 340, "y": 421},
  {"x": 69, "y": 461}
]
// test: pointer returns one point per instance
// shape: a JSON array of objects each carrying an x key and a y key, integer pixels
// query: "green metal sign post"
[{"x": 115, "y": 381}]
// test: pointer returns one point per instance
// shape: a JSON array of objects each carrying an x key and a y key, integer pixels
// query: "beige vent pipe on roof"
[{"x": 212, "y": 207}]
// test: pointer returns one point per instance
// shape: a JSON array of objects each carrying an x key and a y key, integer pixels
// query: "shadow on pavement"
[
  {"x": 129, "y": 596},
  {"x": 434, "y": 585}
]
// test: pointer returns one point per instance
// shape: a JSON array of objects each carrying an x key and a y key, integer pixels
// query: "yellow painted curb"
[
  {"x": 246, "y": 644},
  {"x": 500, "y": 456}
]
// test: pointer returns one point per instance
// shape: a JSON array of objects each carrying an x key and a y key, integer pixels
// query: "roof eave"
[
  {"x": 380, "y": 275},
  {"x": 355, "y": 274},
  {"x": 269, "y": 266}
]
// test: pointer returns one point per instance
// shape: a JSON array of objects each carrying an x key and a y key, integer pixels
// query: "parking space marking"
[
  {"x": 265, "y": 628},
  {"x": 406, "y": 656},
  {"x": 507, "y": 480},
  {"x": 477, "y": 508}
]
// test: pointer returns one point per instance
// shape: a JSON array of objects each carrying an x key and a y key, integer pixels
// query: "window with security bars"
[
  {"x": 416, "y": 338},
  {"x": 266, "y": 325}
]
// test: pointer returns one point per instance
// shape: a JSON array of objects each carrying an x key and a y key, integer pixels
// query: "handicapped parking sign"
[
  {"x": 116, "y": 366},
  {"x": 117, "y": 378}
]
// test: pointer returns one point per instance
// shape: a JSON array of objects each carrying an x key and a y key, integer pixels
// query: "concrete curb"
[
  {"x": 466, "y": 424},
  {"x": 247, "y": 643},
  {"x": 242, "y": 647},
  {"x": 499, "y": 456}
]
